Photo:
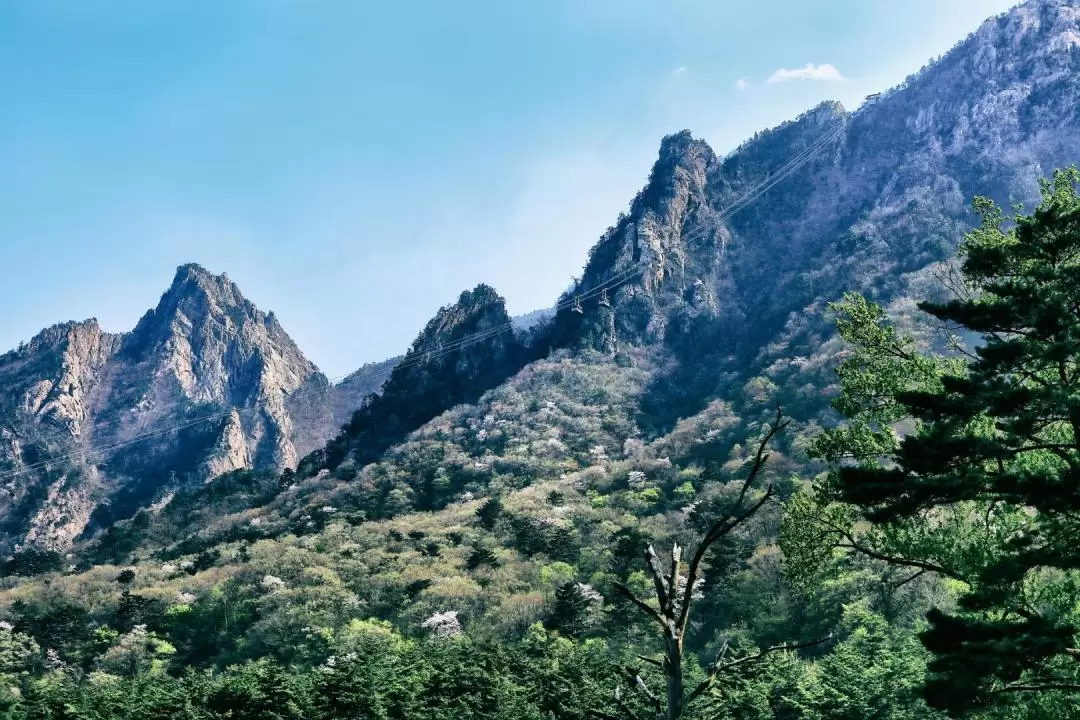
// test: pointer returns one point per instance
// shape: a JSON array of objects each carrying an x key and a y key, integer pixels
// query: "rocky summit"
[{"x": 205, "y": 383}]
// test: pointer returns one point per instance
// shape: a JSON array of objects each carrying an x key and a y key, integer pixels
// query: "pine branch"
[
  {"x": 1039, "y": 687},
  {"x": 853, "y": 544}
]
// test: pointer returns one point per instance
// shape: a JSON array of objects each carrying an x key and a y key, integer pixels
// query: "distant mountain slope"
[
  {"x": 528, "y": 321},
  {"x": 319, "y": 415}
]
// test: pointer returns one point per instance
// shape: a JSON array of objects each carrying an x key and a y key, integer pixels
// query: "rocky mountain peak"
[
  {"x": 743, "y": 241},
  {"x": 655, "y": 258},
  {"x": 1052, "y": 23},
  {"x": 216, "y": 343},
  {"x": 481, "y": 308},
  {"x": 58, "y": 336},
  {"x": 53, "y": 375},
  {"x": 467, "y": 348},
  {"x": 204, "y": 352},
  {"x": 195, "y": 299}
]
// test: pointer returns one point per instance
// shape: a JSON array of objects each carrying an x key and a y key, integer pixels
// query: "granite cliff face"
[
  {"x": 722, "y": 258},
  {"x": 205, "y": 344},
  {"x": 205, "y": 383}
]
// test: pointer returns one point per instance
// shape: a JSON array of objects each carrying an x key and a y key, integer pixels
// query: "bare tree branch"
[
  {"x": 603, "y": 715},
  {"x": 673, "y": 579},
  {"x": 657, "y": 573},
  {"x": 908, "y": 579},
  {"x": 626, "y": 709},
  {"x": 651, "y": 661},
  {"x": 637, "y": 682},
  {"x": 641, "y": 604},
  {"x": 728, "y": 523},
  {"x": 719, "y": 666},
  {"x": 674, "y": 603}
]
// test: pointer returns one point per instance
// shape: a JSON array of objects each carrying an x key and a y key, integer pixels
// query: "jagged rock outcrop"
[
  {"x": 467, "y": 348},
  {"x": 886, "y": 192},
  {"x": 205, "y": 344},
  {"x": 205, "y": 383}
]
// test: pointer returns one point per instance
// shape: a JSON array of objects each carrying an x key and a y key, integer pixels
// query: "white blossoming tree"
[{"x": 443, "y": 625}]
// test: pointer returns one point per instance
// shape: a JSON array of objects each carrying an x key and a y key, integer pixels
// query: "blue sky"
[{"x": 353, "y": 166}]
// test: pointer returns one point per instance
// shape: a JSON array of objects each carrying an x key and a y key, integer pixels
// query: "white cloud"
[
  {"x": 824, "y": 71},
  {"x": 681, "y": 70},
  {"x": 742, "y": 84}
]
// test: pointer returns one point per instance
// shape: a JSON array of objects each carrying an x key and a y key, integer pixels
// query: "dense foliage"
[{"x": 982, "y": 489}]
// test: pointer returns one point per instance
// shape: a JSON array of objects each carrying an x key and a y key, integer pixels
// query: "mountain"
[
  {"x": 722, "y": 265},
  {"x": 319, "y": 414},
  {"x": 498, "y": 465},
  {"x": 467, "y": 348},
  {"x": 526, "y": 322},
  {"x": 205, "y": 383},
  {"x": 708, "y": 296},
  {"x": 872, "y": 197}
]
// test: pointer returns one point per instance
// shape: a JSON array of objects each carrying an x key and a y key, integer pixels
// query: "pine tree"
[
  {"x": 570, "y": 613},
  {"x": 1003, "y": 436},
  {"x": 489, "y": 513}
]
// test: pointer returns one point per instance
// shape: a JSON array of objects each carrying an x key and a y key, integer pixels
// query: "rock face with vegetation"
[
  {"x": 500, "y": 530},
  {"x": 205, "y": 383},
  {"x": 467, "y": 348},
  {"x": 861, "y": 199}
]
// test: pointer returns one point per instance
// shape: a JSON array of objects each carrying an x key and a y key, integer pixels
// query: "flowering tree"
[{"x": 443, "y": 625}]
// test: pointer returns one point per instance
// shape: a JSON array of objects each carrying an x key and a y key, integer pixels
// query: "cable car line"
[{"x": 417, "y": 357}]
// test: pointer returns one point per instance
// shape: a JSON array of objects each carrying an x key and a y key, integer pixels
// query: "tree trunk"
[{"x": 673, "y": 660}]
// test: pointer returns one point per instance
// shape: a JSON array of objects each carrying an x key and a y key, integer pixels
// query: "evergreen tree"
[
  {"x": 489, "y": 513},
  {"x": 571, "y": 610},
  {"x": 1000, "y": 437}
]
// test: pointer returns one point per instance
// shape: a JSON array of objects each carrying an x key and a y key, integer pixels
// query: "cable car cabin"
[
  {"x": 604, "y": 298},
  {"x": 577, "y": 306}
]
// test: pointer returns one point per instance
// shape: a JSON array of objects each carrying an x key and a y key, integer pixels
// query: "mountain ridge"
[
  {"x": 501, "y": 485},
  {"x": 693, "y": 267}
]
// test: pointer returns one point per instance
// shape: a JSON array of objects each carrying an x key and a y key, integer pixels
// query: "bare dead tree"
[{"x": 674, "y": 600}]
